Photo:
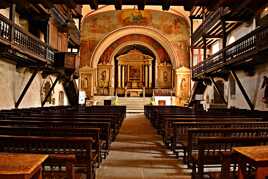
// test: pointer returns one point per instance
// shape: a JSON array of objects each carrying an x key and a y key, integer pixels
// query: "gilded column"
[
  {"x": 123, "y": 76},
  {"x": 150, "y": 75},
  {"x": 119, "y": 76},
  {"x": 146, "y": 76}
]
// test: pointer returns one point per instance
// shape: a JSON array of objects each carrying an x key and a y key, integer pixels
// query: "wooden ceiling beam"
[
  {"x": 165, "y": 5},
  {"x": 46, "y": 3},
  {"x": 70, "y": 4},
  {"x": 118, "y": 4},
  {"x": 22, "y": 3},
  {"x": 213, "y": 36},
  {"x": 188, "y": 5},
  {"x": 4, "y": 4},
  {"x": 141, "y": 4},
  {"x": 93, "y": 4}
]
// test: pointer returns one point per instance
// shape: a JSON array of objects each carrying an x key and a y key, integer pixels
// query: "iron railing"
[
  {"x": 250, "y": 44},
  {"x": 14, "y": 35}
]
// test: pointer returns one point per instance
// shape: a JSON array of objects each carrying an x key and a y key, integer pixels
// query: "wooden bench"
[
  {"x": 210, "y": 151},
  {"x": 58, "y": 132},
  {"x": 181, "y": 130},
  {"x": 81, "y": 147},
  {"x": 190, "y": 144},
  {"x": 168, "y": 131},
  {"x": 113, "y": 124},
  {"x": 104, "y": 134}
]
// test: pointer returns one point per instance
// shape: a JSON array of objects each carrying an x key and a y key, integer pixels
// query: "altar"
[
  {"x": 134, "y": 92},
  {"x": 134, "y": 73}
]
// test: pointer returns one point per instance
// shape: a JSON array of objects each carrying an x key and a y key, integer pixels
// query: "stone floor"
[{"x": 138, "y": 153}]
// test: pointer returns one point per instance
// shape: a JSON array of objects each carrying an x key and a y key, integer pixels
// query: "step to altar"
[{"x": 133, "y": 104}]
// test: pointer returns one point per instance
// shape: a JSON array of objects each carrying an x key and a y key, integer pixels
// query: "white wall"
[
  {"x": 13, "y": 81},
  {"x": 5, "y": 12},
  {"x": 251, "y": 84}
]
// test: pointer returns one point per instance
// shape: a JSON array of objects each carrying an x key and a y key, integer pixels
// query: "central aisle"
[{"x": 139, "y": 153}]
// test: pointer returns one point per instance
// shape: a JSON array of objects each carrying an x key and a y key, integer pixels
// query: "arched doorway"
[{"x": 217, "y": 97}]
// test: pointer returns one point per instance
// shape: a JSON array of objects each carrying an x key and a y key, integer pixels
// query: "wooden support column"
[
  {"x": 224, "y": 37},
  {"x": 26, "y": 89},
  {"x": 242, "y": 90},
  {"x": 50, "y": 91},
  {"x": 217, "y": 89},
  {"x": 204, "y": 48},
  {"x": 12, "y": 18},
  {"x": 192, "y": 49}
]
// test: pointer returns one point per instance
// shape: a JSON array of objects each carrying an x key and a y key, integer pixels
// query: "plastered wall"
[{"x": 13, "y": 81}]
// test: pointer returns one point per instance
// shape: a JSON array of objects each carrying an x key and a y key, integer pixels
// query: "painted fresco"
[
  {"x": 163, "y": 56},
  {"x": 96, "y": 27}
]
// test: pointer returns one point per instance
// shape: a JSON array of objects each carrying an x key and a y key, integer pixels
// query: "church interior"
[{"x": 133, "y": 89}]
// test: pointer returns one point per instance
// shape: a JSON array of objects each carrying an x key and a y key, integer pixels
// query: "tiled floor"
[{"x": 138, "y": 153}]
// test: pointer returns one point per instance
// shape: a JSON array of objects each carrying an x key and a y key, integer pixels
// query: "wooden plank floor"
[{"x": 138, "y": 153}]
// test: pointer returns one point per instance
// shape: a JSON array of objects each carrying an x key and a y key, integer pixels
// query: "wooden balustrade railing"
[
  {"x": 5, "y": 29},
  {"x": 241, "y": 49},
  {"x": 15, "y": 35}
]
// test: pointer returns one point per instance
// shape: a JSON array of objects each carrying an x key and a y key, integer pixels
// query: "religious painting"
[
  {"x": 45, "y": 87},
  {"x": 165, "y": 76},
  {"x": 103, "y": 77},
  {"x": 130, "y": 17},
  {"x": 265, "y": 87},
  {"x": 134, "y": 72},
  {"x": 87, "y": 80}
]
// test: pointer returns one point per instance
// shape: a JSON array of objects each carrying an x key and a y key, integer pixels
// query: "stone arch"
[{"x": 128, "y": 30}]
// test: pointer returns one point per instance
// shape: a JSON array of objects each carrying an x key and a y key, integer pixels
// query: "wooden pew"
[
  {"x": 58, "y": 132},
  {"x": 210, "y": 149},
  {"x": 81, "y": 147},
  {"x": 190, "y": 144},
  {"x": 115, "y": 126},
  {"x": 181, "y": 130},
  {"x": 105, "y": 134},
  {"x": 168, "y": 131}
]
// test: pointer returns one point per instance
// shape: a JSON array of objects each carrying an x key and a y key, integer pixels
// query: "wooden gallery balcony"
[
  {"x": 245, "y": 50},
  {"x": 22, "y": 46},
  {"x": 67, "y": 61},
  {"x": 211, "y": 28}
]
